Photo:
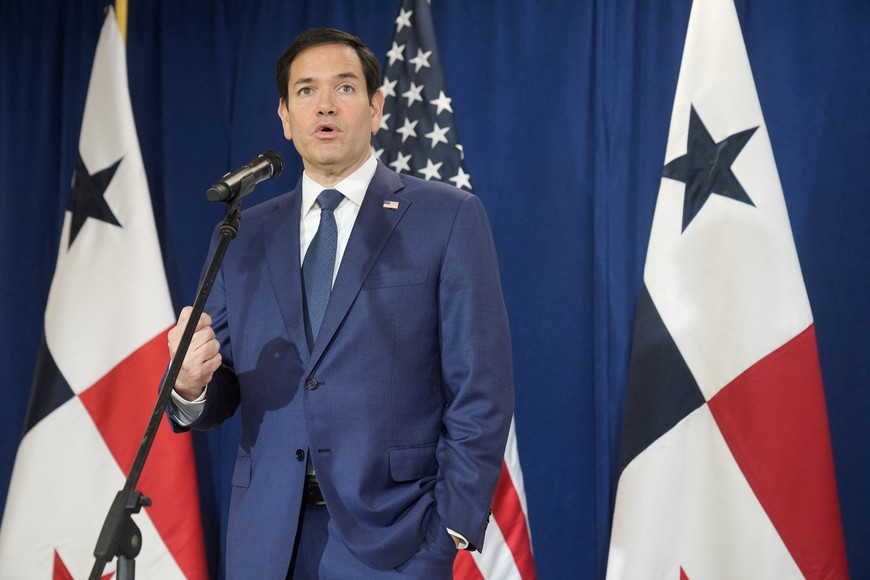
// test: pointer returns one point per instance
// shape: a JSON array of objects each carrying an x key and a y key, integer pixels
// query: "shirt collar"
[{"x": 353, "y": 186}]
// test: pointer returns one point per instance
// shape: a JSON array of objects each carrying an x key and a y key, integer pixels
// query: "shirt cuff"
[
  {"x": 463, "y": 542},
  {"x": 186, "y": 412}
]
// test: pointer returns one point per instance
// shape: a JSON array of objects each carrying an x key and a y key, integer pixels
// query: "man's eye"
[
  {"x": 305, "y": 91},
  {"x": 345, "y": 89}
]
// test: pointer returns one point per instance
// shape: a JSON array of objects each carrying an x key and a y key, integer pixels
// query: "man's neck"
[{"x": 329, "y": 179}]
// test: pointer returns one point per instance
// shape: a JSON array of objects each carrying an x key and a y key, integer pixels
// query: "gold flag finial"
[{"x": 121, "y": 14}]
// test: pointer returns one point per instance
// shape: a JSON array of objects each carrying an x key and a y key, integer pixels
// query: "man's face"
[{"x": 328, "y": 115}]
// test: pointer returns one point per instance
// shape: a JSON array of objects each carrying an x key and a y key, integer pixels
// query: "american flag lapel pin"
[{"x": 393, "y": 205}]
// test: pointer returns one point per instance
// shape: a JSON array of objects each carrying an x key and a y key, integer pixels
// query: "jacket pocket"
[
  {"x": 410, "y": 463},
  {"x": 242, "y": 471}
]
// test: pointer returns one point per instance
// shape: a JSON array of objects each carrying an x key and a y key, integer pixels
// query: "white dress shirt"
[{"x": 354, "y": 188}]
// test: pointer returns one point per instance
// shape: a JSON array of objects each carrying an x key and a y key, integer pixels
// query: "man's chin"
[
  {"x": 335, "y": 159},
  {"x": 327, "y": 153}
]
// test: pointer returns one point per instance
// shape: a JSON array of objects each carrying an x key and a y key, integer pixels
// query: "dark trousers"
[{"x": 319, "y": 553}]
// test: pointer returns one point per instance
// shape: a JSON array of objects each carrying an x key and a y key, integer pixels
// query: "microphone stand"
[{"x": 120, "y": 536}]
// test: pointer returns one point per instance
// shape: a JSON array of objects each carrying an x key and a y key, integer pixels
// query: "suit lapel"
[
  {"x": 373, "y": 227},
  {"x": 281, "y": 239}
]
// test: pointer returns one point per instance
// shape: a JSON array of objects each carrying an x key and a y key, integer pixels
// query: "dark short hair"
[{"x": 319, "y": 36}]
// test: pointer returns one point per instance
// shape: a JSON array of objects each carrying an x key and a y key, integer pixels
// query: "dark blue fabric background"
[{"x": 563, "y": 109}]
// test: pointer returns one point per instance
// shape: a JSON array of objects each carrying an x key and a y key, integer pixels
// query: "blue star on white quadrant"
[
  {"x": 87, "y": 198},
  {"x": 706, "y": 167}
]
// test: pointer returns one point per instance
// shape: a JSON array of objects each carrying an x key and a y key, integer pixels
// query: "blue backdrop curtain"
[{"x": 563, "y": 109}]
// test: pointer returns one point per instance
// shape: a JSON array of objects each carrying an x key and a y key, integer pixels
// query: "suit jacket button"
[
  {"x": 312, "y": 384},
  {"x": 300, "y": 455}
]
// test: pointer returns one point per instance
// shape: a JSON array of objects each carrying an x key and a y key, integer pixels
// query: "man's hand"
[{"x": 203, "y": 357}]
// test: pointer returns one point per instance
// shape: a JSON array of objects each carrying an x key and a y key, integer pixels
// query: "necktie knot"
[{"x": 329, "y": 199}]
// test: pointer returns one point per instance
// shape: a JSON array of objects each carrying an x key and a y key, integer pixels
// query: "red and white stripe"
[{"x": 507, "y": 551}]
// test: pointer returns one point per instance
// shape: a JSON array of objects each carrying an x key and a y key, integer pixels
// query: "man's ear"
[
  {"x": 284, "y": 113},
  {"x": 377, "y": 110}
]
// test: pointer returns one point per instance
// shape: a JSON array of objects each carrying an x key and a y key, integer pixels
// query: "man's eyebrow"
[{"x": 345, "y": 75}]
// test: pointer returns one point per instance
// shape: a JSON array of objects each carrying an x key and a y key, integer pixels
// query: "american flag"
[
  {"x": 418, "y": 133},
  {"x": 418, "y": 136}
]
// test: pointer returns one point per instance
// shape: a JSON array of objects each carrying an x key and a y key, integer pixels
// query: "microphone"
[{"x": 239, "y": 183}]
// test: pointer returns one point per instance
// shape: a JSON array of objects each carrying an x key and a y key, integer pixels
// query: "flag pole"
[
  {"x": 120, "y": 536},
  {"x": 121, "y": 15}
]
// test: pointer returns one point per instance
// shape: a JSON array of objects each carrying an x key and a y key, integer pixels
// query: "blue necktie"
[{"x": 319, "y": 264}]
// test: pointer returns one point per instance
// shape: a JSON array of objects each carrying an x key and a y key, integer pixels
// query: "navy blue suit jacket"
[{"x": 404, "y": 401}]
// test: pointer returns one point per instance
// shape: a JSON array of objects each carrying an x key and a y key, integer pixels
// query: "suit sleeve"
[{"x": 477, "y": 372}]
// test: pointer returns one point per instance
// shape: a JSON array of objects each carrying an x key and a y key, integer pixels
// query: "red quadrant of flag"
[
  {"x": 774, "y": 419},
  {"x": 121, "y": 404}
]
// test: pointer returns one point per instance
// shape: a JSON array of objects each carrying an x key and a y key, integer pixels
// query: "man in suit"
[{"x": 371, "y": 441}]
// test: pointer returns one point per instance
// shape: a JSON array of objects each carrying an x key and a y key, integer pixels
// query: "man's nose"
[{"x": 326, "y": 104}]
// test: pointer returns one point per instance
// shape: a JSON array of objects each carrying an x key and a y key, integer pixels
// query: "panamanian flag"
[
  {"x": 100, "y": 364},
  {"x": 726, "y": 464}
]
